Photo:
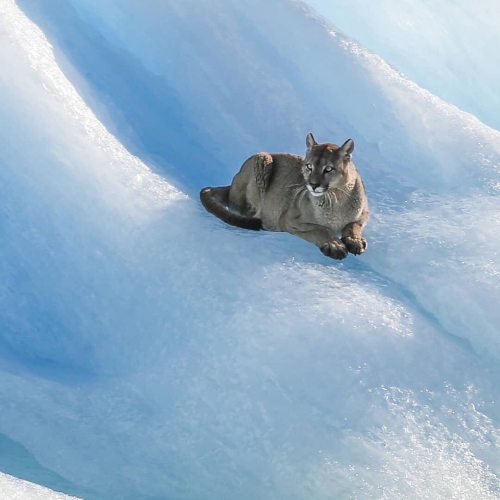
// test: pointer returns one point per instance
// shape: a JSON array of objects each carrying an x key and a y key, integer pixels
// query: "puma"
[{"x": 320, "y": 198}]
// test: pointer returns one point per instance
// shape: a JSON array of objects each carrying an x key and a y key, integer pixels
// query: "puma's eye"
[
  {"x": 329, "y": 168},
  {"x": 309, "y": 166}
]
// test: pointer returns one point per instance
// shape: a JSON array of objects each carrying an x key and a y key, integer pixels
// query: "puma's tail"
[{"x": 216, "y": 201}]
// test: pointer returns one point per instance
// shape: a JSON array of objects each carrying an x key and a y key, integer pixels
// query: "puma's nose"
[{"x": 314, "y": 186}]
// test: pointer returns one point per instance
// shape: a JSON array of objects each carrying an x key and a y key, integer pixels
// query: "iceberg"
[{"x": 149, "y": 351}]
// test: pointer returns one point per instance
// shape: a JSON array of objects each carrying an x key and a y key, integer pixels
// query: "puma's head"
[{"x": 325, "y": 164}]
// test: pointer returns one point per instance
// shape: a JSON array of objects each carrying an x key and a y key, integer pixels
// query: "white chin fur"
[{"x": 314, "y": 193}]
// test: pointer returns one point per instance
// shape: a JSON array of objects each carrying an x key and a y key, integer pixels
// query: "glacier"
[{"x": 148, "y": 351}]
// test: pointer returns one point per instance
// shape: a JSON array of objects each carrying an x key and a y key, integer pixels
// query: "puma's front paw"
[
  {"x": 334, "y": 249},
  {"x": 355, "y": 245}
]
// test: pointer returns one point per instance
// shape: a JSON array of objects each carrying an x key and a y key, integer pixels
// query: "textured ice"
[
  {"x": 444, "y": 46},
  {"x": 12, "y": 488},
  {"x": 148, "y": 351}
]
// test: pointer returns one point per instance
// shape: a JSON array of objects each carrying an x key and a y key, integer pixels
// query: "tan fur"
[{"x": 278, "y": 191}]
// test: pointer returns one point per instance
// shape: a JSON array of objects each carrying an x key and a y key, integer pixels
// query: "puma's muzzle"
[{"x": 315, "y": 190}]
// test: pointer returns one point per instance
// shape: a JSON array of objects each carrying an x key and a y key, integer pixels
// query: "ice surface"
[
  {"x": 148, "y": 351},
  {"x": 417, "y": 145},
  {"x": 447, "y": 47},
  {"x": 12, "y": 488}
]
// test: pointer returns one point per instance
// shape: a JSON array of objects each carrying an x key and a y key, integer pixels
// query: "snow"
[
  {"x": 149, "y": 351},
  {"x": 16, "y": 489}
]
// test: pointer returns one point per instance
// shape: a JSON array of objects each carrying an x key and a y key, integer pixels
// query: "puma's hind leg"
[{"x": 250, "y": 183}]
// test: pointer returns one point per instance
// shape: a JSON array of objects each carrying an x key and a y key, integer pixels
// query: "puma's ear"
[
  {"x": 310, "y": 141},
  {"x": 347, "y": 149}
]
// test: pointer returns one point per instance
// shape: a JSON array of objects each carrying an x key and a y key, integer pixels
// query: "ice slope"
[
  {"x": 12, "y": 488},
  {"x": 448, "y": 47},
  {"x": 147, "y": 351},
  {"x": 269, "y": 95}
]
